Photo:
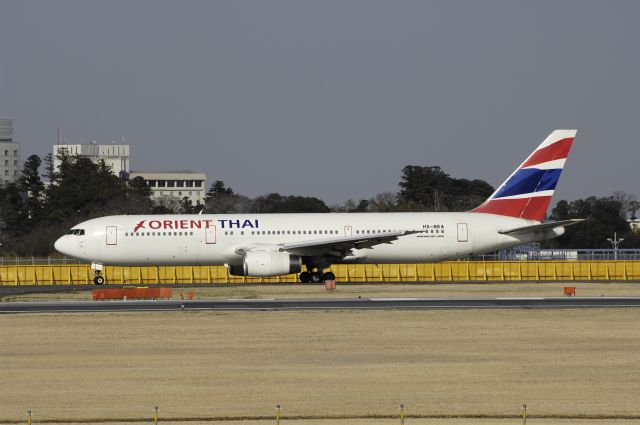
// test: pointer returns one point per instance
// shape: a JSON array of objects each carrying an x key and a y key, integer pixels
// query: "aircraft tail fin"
[{"x": 529, "y": 189}]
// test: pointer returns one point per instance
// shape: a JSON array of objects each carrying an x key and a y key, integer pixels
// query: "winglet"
[{"x": 529, "y": 189}]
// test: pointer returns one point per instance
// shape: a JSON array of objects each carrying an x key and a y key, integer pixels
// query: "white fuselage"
[{"x": 219, "y": 239}]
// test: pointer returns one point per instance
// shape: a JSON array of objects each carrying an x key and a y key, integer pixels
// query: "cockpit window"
[{"x": 77, "y": 232}]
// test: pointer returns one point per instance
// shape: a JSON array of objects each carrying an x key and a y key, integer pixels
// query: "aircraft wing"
[
  {"x": 541, "y": 227},
  {"x": 338, "y": 246}
]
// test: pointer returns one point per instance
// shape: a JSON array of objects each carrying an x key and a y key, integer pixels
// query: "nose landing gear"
[{"x": 98, "y": 279}]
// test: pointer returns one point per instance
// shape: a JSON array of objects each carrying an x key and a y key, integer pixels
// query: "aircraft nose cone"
[{"x": 60, "y": 244}]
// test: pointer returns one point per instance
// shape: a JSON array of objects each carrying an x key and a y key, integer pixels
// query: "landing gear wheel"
[
  {"x": 328, "y": 276},
  {"x": 98, "y": 280},
  {"x": 305, "y": 277},
  {"x": 316, "y": 277}
]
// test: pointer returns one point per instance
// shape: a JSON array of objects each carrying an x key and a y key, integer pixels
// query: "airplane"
[{"x": 265, "y": 245}]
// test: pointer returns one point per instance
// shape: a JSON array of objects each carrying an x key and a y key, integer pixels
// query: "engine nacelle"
[{"x": 267, "y": 264}]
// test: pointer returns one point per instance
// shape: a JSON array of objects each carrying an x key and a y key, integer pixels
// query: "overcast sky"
[{"x": 330, "y": 98}]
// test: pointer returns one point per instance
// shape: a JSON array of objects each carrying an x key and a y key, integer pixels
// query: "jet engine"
[{"x": 267, "y": 264}]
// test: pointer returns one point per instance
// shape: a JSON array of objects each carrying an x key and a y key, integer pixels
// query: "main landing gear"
[{"x": 316, "y": 277}]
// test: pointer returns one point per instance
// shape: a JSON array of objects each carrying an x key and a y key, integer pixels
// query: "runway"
[{"x": 319, "y": 304}]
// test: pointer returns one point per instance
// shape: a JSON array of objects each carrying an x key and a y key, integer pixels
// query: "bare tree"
[
  {"x": 634, "y": 206},
  {"x": 383, "y": 202},
  {"x": 625, "y": 200}
]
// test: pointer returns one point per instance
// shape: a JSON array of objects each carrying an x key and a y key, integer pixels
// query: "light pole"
[{"x": 615, "y": 243}]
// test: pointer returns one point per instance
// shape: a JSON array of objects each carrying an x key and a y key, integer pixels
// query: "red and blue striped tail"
[{"x": 528, "y": 191}]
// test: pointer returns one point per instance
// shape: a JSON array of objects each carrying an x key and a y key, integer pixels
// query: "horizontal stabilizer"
[{"x": 541, "y": 227}]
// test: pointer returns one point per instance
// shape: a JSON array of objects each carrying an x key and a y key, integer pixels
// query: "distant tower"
[{"x": 10, "y": 153}]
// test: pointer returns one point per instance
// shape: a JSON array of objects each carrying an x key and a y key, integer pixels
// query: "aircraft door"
[
  {"x": 112, "y": 235},
  {"x": 348, "y": 230},
  {"x": 463, "y": 232},
  {"x": 210, "y": 235}
]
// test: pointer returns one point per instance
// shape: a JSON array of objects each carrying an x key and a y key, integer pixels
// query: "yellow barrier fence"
[{"x": 80, "y": 274}]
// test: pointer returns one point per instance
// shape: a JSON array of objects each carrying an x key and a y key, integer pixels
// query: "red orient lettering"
[
  {"x": 196, "y": 224},
  {"x": 155, "y": 224},
  {"x": 168, "y": 224},
  {"x": 208, "y": 223},
  {"x": 184, "y": 224}
]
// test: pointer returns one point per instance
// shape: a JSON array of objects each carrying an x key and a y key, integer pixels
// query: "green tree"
[
  {"x": 218, "y": 188},
  {"x": 32, "y": 186},
  {"x": 161, "y": 209},
  {"x": 604, "y": 216},
  {"x": 13, "y": 219},
  {"x": 186, "y": 206},
  {"x": 422, "y": 186},
  {"x": 223, "y": 200},
  {"x": 276, "y": 203},
  {"x": 49, "y": 169},
  {"x": 84, "y": 189},
  {"x": 431, "y": 189},
  {"x": 139, "y": 195}
]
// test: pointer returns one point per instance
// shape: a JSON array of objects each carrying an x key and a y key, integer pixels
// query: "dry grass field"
[
  {"x": 396, "y": 421},
  {"x": 350, "y": 363}
]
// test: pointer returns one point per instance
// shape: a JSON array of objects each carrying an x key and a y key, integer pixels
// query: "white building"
[
  {"x": 173, "y": 186},
  {"x": 115, "y": 155},
  {"x": 10, "y": 155}
]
